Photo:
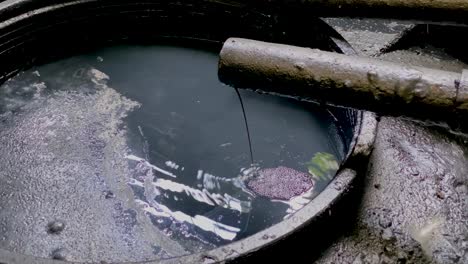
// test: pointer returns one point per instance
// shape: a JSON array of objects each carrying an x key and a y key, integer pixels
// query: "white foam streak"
[
  {"x": 154, "y": 167},
  {"x": 224, "y": 231},
  {"x": 204, "y": 195}
]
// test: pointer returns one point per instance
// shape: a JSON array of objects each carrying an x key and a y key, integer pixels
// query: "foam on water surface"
[{"x": 143, "y": 152}]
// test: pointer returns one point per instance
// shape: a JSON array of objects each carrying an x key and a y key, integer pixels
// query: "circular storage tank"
[{"x": 49, "y": 214}]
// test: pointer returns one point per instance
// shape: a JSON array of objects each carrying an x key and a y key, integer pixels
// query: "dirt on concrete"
[
  {"x": 415, "y": 204},
  {"x": 370, "y": 36},
  {"x": 414, "y": 207}
]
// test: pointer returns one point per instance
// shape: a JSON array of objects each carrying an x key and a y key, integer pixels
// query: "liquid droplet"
[
  {"x": 109, "y": 195},
  {"x": 61, "y": 254},
  {"x": 56, "y": 226}
]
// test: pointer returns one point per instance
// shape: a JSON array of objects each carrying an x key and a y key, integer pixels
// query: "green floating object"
[{"x": 323, "y": 166}]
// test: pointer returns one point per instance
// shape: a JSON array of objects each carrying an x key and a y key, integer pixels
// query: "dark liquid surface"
[{"x": 158, "y": 147}]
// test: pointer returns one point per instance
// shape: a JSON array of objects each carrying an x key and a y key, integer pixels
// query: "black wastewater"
[{"x": 170, "y": 160}]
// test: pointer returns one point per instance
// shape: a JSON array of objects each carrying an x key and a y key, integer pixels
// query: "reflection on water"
[
  {"x": 207, "y": 182},
  {"x": 165, "y": 142}
]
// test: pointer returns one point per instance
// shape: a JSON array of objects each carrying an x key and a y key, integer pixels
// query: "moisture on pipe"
[{"x": 351, "y": 81}]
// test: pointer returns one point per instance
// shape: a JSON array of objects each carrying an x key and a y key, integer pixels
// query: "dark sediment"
[{"x": 280, "y": 183}]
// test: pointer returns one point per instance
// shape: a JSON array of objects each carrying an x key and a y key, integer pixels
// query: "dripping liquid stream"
[{"x": 246, "y": 126}]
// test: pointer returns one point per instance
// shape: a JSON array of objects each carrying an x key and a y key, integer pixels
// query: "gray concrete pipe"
[{"x": 351, "y": 81}]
